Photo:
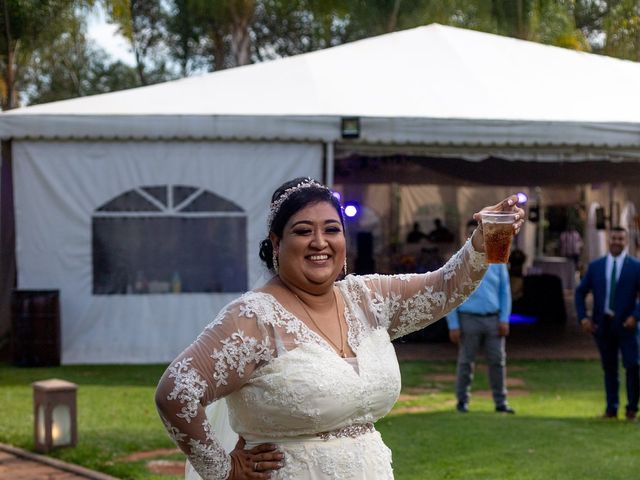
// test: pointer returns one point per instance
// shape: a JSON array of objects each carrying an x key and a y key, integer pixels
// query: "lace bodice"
[{"x": 283, "y": 381}]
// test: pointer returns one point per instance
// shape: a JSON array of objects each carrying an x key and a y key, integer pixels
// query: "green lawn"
[{"x": 556, "y": 433}]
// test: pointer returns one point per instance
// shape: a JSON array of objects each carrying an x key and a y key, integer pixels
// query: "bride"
[{"x": 305, "y": 363}]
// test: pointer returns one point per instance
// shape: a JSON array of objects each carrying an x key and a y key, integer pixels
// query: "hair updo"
[{"x": 288, "y": 199}]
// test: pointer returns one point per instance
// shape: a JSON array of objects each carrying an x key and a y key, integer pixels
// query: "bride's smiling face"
[{"x": 312, "y": 249}]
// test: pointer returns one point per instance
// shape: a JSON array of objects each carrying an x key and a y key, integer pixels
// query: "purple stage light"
[
  {"x": 351, "y": 209},
  {"x": 522, "y": 198}
]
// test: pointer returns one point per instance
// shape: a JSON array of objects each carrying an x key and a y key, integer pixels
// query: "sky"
[{"x": 105, "y": 35}]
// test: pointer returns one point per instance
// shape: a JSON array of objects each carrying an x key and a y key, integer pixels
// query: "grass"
[
  {"x": 116, "y": 415},
  {"x": 556, "y": 433}
]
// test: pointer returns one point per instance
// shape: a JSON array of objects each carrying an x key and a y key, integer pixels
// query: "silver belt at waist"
[{"x": 351, "y": 431}]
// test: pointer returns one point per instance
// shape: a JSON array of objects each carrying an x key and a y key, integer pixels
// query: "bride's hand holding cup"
[{"x": 496, "y": 226}]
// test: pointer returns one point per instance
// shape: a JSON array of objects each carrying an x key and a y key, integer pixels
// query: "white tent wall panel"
[{"x": 59, "y": 185}]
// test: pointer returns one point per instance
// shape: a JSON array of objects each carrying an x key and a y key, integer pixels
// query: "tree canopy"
[{"x": 45, "y": 54}]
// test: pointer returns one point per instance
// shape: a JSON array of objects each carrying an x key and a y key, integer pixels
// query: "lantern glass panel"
[
  {"x": 42, "y": 434},
  {"x": 61, "y": 425}
]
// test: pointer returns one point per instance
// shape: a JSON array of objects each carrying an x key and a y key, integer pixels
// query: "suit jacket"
[{"x": 627, "y": 291}]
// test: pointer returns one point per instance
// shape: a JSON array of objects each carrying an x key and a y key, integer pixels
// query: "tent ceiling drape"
[{"x": 414, "y": 170}]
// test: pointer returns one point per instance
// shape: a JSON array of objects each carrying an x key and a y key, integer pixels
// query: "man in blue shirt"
[{"x": 483, "y": 319}]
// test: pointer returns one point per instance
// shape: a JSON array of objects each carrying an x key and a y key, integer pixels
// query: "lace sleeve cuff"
[
  {"x": 477, "y": 260},
  {"x": 209, "y": 459}
]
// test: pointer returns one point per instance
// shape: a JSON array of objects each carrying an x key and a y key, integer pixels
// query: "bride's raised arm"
[{"x": 408, "y": 302}]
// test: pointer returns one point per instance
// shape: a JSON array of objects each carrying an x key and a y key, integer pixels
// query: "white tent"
[
  {"x": 432, "y": 85},
  {"x": 215, "y": 146}
]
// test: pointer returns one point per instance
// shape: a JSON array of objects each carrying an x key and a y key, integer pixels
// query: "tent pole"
[
  {"x": 329, "y": 164},
  {"x": 540, "y": 224},
  {"x": 613, "y": 221},
  {"x": 7, "y": 242}
]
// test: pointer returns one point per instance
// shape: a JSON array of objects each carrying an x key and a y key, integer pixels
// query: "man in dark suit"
[{"x": 614, "y": 281}]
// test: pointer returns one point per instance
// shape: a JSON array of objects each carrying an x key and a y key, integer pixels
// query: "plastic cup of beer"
[{"x": 497, "y": 229}]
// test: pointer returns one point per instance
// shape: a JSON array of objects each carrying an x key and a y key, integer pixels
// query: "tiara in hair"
[{"x": 277, "y": 203}]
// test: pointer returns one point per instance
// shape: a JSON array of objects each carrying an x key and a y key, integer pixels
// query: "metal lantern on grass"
[{"x": 54, "y": 413}]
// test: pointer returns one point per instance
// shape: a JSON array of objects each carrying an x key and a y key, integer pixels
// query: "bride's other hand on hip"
[{"x": 256, "y": 463}]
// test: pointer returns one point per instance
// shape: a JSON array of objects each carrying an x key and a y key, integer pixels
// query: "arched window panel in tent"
[{"x": 169, "y": 239}]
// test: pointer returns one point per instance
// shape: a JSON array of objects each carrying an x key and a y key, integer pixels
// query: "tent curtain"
[
  {"x": 7, "y": 240},
  {"x": 146, "y": 241}
]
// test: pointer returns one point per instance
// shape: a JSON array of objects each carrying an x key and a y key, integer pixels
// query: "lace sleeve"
[
  {"x": 219, "y": 362},
  {"x": 406, "y": 303}
]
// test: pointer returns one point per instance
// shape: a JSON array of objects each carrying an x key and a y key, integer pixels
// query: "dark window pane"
[
  {"x": 180, "y": 193},
  {"x": 159, "y": 193},
  {"x": 209, "y": 202},
  {"x": 165, "y": 254},
  {"x": 130, "y": 201},
  {"x": 169, "y": 254}
]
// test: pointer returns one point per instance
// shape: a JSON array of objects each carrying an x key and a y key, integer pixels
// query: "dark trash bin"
[
  {"x": 542, "y": 298},
  {"x": 35, "y": 328}
]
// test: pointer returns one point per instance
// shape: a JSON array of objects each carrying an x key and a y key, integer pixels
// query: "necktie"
[{"x": 612, "y": 287}]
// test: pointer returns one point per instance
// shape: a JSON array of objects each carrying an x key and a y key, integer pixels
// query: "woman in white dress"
[{"x": 305, "y": 363}]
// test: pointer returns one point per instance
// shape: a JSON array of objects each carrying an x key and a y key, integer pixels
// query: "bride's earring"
[
  {"x": 274, "y": 259},
  {"x": 344, "y": 269}
]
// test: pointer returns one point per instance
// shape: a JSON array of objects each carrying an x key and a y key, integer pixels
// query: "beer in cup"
[{"x": 497, "y": 229}]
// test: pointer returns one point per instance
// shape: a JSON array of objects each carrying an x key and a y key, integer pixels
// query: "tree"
[
  {"x": 589, "y": 18},
  {"x": 26, "y": 25},
  {"x": 184, "y": 39},
  {"x": 196, "y": 35},
  {"x": 377, "y": 17},
  {"x": 143, "y": 24},
  {"x": 622, "y": 30},
  {"x": 226, "y": 26},
  {"x": 71, "y": 66},
  {"x": 210, "y": 21},
  {"x": 282, "y": 28},
  {"x": 544, "y": 21},
  {"x": 219, "y": 34}
]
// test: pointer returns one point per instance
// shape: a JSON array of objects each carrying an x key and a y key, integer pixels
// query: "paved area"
[{"x": 18, "y": 464}]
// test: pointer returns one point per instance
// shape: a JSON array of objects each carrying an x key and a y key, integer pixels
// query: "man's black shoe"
[
  {"x": 462, "y": 407},
  {"x": 505, "y": 409}
]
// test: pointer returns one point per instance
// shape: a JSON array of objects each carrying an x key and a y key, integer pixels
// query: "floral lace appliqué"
[
  {"x": 385, "y": 308},
  {"x": 189, "y": 388},
  {"x": 236, "y": 353},
  {"x": 174, "y": 432},
  {"x": 417, "y": 309}
]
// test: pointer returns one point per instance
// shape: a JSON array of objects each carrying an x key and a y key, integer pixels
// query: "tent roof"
[{"x": 402, "y": 84}]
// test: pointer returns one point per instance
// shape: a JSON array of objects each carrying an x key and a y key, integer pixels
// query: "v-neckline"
[{"x": 312, "y": 331}]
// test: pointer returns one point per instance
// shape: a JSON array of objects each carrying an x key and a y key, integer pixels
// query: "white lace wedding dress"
[{"x": 285, "y": 384}]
